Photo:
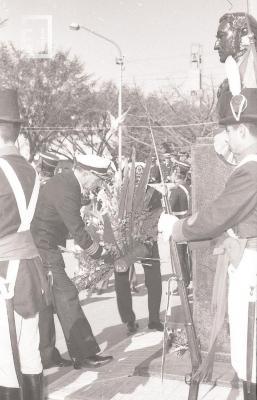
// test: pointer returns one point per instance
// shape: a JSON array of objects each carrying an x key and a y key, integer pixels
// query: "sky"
[{"x": 155, "y": 36}]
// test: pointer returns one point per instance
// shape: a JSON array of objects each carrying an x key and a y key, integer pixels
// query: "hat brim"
[
  {"x": 230, "y": 120},
  {"x": 101, "y": 172},
  {"x": 8, "y": 119}
]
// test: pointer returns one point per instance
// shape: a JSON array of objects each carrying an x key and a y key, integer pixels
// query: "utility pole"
[
  {"x": 119, "y": 61},
  {"x": 195, "y": 72}
]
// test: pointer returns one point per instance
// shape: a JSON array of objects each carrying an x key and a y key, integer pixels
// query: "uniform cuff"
[{"x": 94, "y": 250}]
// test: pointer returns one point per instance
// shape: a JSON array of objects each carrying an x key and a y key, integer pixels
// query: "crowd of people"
[{"x": 38, "y": 217}]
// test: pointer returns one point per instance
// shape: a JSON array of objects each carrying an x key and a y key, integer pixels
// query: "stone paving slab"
[
  {"x": 118, "y": 380},
  {"x": 91, "y": 385},
  {"x": 178, "y": 367}
]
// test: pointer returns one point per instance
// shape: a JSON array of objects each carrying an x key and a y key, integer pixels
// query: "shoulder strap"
[
  {"x": 26, "y": 213},
  {"x": 186, "y": 192}
]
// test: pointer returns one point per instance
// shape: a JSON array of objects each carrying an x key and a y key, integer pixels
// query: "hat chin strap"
[{"x": 238, "y": 104}]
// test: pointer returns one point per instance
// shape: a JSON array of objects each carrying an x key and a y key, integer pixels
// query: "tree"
[
  {"x": 175, "y": 119},
  {"x": 51, "y": 92},
  {"x": 92, "y": 125}
]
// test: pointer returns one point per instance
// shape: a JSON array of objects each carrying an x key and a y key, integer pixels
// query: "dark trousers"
[
  {"x": 185, "y": 262},
  {"x": 76, "y": 328},
  {"x": 153, "y": 282}
]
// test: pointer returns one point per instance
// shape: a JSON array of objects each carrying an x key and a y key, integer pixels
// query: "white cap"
[{"x": 94, "y": 163}]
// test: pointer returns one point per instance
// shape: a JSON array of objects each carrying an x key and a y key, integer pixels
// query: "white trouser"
[
  {"x": 164, "y": 251},
  {"x": 240, "y": 282},
  {"x": 28, "y": 342}
]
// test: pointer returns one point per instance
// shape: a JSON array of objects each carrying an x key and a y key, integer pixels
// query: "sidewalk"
[
  {"x": 135, "y": 370},
  {"x": 117, "y": 380}
]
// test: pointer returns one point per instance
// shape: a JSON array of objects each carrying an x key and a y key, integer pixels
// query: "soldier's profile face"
[
  {"x": 234, "y": 138},
  {"x": 226, "y": 42}
]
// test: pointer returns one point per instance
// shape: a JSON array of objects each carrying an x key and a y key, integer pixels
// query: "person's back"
[
  {"x": 22, "y": 282},
  {"x": 58, "y": 213},
  {"x": 48, "y": 227},
  {"x": 10, "y": 217}
]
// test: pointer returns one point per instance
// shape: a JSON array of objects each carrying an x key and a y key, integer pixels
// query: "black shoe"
[
  {"x": 33, "y": 387},
  {"x": 57, "y": 362},
  {"x": 63, "y": 362},
  {"x": 132, "y": 327},
  {"x": 249, "y": 394},
  {"x": 95, "y": 361},
  {"x": 158, "y": 326},
  {"x": 8, "y": 393}
]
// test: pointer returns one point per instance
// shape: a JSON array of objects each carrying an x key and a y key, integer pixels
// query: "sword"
[
  {"x": 165, "y": 333},
  {"x": 7, "y": 291},
  {"x": 193, "y": 344},
  {"x": 14, "y": 343},
  {"x": 250, "y": 336}
]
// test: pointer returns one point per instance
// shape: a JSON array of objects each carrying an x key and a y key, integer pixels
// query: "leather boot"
[
  {"x": 7, "y": 393},
  {"x": 33, "y": 387},
  {"x": 252, "y": 394}
]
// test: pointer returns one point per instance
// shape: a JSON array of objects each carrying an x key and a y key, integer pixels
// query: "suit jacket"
[{"x": 58, "y": 214}]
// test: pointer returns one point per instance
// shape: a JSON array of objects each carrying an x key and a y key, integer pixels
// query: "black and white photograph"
[{"x": 128, "y": 199}]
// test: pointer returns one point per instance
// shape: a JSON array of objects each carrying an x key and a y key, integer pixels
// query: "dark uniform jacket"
[
  {"x": 29, "y": 285},
  {"x": 58, "y": 214},
  {"x": 236, "y": 208},
  {"x": 179, "y": 200}
]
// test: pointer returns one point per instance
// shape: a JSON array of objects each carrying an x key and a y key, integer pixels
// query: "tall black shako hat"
[
  {"x": 239, "y": 103},
  {"x": 9, "y": 108},
  {"x": 238, "y": 108}
]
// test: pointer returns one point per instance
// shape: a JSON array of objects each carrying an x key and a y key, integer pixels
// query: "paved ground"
[{"x": 119, "y": 379}]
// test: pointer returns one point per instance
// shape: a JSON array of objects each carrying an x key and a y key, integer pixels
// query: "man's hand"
[
  {"x": 107, "y": 257},
  {"x": 166, "y": 224}
]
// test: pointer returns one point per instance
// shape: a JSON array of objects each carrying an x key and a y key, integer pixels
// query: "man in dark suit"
[{"x": 57, "y": 215}]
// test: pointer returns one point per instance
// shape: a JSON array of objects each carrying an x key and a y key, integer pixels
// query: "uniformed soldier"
[
  {"x": 56, "y": 216},
  {"x": 21, "y": 272},
  {"x": 180, "y": 203},
  {"x": 233, "y": 212}
]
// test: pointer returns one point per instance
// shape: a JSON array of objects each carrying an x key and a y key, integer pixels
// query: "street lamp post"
[{"x": 119, "y": 61}]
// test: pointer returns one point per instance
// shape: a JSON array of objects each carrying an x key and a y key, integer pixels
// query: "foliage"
[
  {"x": 164, "y": 110},
  {"x": 90, "y": 273},
  {"x": 51, "y": 91},
  {"x": 58, "y": 93},
  {"x": 129, "y": 227}
]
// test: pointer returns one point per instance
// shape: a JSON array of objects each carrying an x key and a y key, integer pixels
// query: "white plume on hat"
[
  {"x": 233, "y": 75},
  {"x": 238, "y": 101}
]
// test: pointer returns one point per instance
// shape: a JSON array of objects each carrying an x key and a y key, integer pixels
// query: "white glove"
[{"x": 166, "y": 224}]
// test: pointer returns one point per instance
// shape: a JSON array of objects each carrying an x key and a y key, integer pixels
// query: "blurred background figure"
[
  {"x": 180, "y": 201},
  {"x": 47, "y": 165}
]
